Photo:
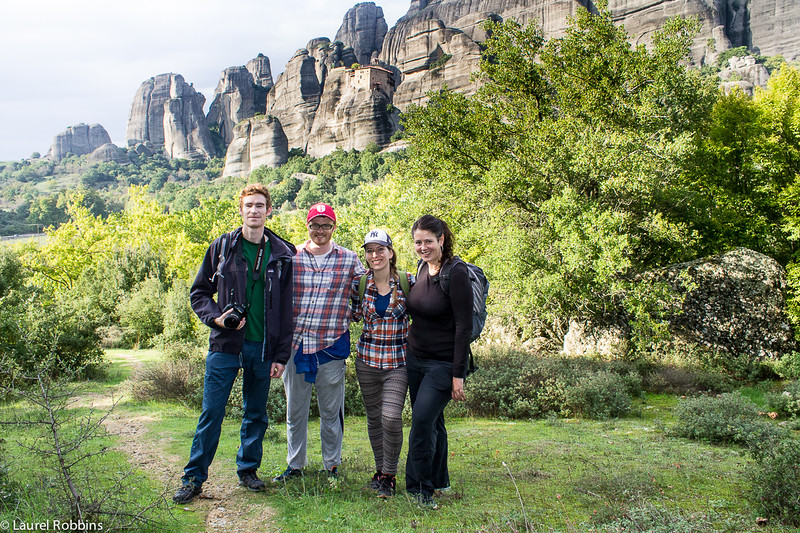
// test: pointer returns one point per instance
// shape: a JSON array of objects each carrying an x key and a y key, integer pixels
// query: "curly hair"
[{"x": 255, "y": 188}]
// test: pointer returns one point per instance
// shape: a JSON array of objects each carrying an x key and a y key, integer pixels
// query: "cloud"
[{"x": 82, "y": 61}]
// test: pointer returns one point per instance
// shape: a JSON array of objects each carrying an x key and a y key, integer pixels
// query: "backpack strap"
[
  {"x": 223, "y": 249},
  {"x": 362, "y": 287},
  {"x": 444, "y": 274},
  {"x": 404, "y": 282}
]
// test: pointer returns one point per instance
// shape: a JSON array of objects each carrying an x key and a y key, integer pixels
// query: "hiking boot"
[
  {"x": 333, "y": 472},
  {"x": 386, "y": 489},
  {"x": 249, "y": 480},
  {"x": 288, "y": 474},
  {"x": 425, "y": 502},
  {"x": 186, "y": 493},
  {"x": 375, "y": 482}
]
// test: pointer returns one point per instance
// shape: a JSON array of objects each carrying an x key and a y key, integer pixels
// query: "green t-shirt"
[{"x": 254, "y": 328}]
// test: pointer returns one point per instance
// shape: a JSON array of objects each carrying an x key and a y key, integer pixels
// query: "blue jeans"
[{"x": 221, "y": 371}]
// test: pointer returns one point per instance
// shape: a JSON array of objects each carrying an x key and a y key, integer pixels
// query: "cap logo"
[
  {"x": 320, "y": 208},
  {"x": 373, "y": 233}
]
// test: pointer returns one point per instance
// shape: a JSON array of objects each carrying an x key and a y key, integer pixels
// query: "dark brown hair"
[{"x": 438, "y": 227}]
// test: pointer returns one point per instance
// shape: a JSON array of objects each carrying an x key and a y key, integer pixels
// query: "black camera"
[{"x": 237, "y": 314}]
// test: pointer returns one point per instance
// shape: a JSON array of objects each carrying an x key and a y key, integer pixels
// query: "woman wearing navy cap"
[{"x": 380, "y": 301}]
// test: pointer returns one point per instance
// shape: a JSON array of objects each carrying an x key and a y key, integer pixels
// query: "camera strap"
[{"x": 259, "y": 258}]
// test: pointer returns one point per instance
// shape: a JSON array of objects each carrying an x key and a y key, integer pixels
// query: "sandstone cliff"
[
  {"x": 234, "y": 101},
  {"x": 363, "y": 29},
  {"x": 168, "y": 112},
  {"x": 78, "y": 140},
  {"x": 256, "y": 142},
  {"x": 355, "y": 110}
]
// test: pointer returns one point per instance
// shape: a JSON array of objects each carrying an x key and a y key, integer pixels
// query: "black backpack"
[{"x": 480, "y": 291}]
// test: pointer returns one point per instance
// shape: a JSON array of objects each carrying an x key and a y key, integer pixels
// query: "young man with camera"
[
  {"x": 323, "y": 272},
  {"x": 249, "y": 270}
]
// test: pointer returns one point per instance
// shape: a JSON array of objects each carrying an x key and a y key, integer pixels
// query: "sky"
[{"x": 64, "y": 63}]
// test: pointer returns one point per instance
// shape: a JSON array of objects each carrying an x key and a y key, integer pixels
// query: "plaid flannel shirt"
[
  {"x": 383, "y": 340},
  {"x": 321, "y": 294}
]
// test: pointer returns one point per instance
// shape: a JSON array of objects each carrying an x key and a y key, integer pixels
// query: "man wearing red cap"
[{"x": 323, "y": 272}]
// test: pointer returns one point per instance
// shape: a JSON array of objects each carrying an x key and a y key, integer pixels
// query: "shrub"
[
  {"x": 786, "y": 403},
  {"x": 789, "y": 366},
  {"x": 727, "y": 418},
  {"x": 687, "y": 380},
  {"x": 170, "y": 380},
  {"x": 516, "y": 384},
  {"x": 775, "y": 481},
  {"x": 601, "y": 395}
]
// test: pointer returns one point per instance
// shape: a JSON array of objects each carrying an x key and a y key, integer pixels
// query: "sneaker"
[
  {"x": 333, "y": 472},
  {"x": 386, "y": 489},
  {"x": 249, "y": 480},
  {"x": 186, "y": 493},
  {"x": 375, "y": 482},
  {"x": 425, "y": 502},
  {"x": 288, "y": 474}
]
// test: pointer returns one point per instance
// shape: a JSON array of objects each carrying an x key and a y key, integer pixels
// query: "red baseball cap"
[{"x": 321, "y": 210}]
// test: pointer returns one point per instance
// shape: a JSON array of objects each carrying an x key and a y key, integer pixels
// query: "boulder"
[
  {"x": 355, "y": 110},
  {"x": 256, "y": 142},
  {"x": 78, "y": 140},
  {"x": 110, "y": 153},
  {"x": 168, "y": 112},
  {"x": 735, "y": 305},
  {"x": 745, "y": 69},
  {"x": 363, "y": 29}
]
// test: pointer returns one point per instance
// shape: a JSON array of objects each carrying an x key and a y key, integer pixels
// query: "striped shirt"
[
  {"x": 383, "y": 340},
  {"x": 321, "y": 294}
]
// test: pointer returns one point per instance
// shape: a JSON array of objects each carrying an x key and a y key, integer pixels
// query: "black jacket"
[{"x": 278, "y": 310}]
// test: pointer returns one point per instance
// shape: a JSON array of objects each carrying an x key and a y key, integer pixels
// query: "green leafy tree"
[{"x": 570, "y": 157}]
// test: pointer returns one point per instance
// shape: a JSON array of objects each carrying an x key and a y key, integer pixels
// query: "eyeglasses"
[{"x": 315, "y": 227}]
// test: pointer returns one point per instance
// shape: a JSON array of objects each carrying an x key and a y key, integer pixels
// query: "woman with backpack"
[
  {"x": 380, "y": 301},
  {"x": 440, "y": 305}
]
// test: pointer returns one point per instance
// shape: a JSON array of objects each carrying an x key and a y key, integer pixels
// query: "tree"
[{"x": 571, "y": 156}]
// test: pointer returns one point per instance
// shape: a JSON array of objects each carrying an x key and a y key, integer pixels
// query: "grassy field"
[{"x": 509, "y": 476}]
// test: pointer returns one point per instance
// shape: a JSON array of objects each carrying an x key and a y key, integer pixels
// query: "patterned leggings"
[{"x": 384, "y": 393}]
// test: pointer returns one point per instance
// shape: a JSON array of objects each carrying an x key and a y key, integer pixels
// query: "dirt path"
[{"x": 224, "y": 504}]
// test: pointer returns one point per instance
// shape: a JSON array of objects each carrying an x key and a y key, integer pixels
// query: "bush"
[
  {"x": 687, "y": 380},
  {"x": 170, "y": 380},
  {"x": 789, "y": 366},
  {"x": 775, "y": 481},
  {"x": 786, "y": 403},
  {"x": 727, "y": 418},
  {"x": 517, "y": 384},
  {"x": 601, "y": 395}
]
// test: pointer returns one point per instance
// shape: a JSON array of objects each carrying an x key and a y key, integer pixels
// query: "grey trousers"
[
  {"x": 330, "y": 399},
  {"x": 384, "y": 393}
]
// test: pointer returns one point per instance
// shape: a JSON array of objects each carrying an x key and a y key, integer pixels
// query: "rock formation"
[
  {"x": 295, "y": 97},
  {"x": 736, "y": 306},
  {"x": 169, "y": 113},
  {"x": 110, "y": 153},
  {"x": 744, "y": 73},
  {"x": 772, "y": 26},
  {"x": 256, "y": 142},
  {"x": 431, "y": 56},
  {"x": 363, "y": 29},
  {"x": 78, "y": 140},
  {"x": 260, "y": 70},
  {"x": 355, "y": 111},
  {"x": 234, "y": 101}
]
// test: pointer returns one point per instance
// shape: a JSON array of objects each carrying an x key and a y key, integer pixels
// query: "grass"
[{"x": 506, "y": 476}]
